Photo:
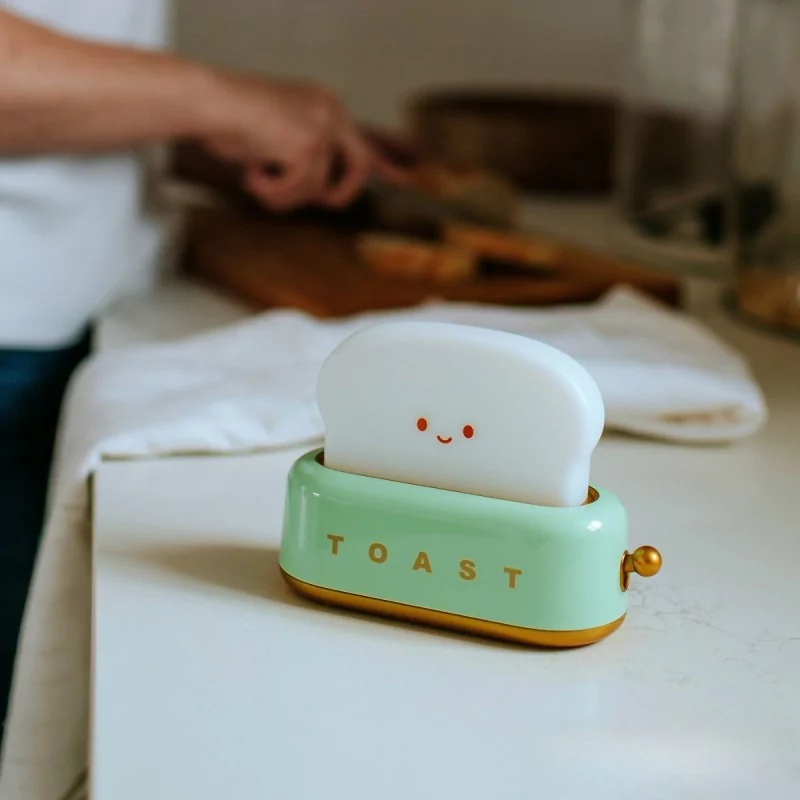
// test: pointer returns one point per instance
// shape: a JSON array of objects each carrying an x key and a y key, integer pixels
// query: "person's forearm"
[
  {"x": 63, "y": 94},
  {"x": 293, "y": 143}
]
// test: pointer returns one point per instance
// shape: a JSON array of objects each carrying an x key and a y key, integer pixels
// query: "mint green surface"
[{"x": 569, "y": 557}]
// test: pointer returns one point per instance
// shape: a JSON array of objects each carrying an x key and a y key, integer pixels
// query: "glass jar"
[
  {"x": 765, "y": 172},
  {"x": 675, "y": 131}
]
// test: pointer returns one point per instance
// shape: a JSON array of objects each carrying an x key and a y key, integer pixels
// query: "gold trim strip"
[{"x": 455, "y": 622}]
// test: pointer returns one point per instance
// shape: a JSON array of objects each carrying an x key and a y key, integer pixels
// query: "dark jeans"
[{"x": 32, "y": 384}]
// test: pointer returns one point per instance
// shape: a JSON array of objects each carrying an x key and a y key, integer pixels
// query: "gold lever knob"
[{"x": 644, "y": 561}]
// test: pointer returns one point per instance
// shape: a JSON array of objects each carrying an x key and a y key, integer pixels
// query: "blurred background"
[
  {"x": 660, "y": 136},
  {"x": 376, "y": 54}
]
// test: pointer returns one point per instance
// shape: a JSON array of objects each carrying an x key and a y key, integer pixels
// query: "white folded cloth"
[{"x": 251, "y": 386}]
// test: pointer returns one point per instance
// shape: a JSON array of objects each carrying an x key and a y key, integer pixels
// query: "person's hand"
[{"x": 295, "y": 142}]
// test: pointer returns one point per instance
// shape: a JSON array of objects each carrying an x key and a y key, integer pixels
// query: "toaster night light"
[{"x": 453, "y": 489}]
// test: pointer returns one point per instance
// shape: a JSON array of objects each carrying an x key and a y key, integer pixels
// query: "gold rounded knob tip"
[{"x": 644, "y": 561}]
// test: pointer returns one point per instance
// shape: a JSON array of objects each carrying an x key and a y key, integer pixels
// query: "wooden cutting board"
[{"x": 272, "y": 262}]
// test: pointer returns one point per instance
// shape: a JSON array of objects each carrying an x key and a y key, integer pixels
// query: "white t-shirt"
[{"x": 77, "y": 233}]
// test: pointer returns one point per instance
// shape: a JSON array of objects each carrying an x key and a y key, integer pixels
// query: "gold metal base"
[{"x": 455, "y": 622}]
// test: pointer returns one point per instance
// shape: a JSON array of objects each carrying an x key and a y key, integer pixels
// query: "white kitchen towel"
[{"x": 251, "y": 386}]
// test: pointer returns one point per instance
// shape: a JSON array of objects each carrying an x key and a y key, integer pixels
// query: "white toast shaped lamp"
[{"x": 454, "y": 488}]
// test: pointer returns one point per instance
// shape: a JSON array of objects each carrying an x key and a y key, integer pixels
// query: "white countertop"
[{"x": 213, "y": 681}]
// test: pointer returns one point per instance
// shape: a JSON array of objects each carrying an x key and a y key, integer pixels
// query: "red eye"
[
  {"x": 468, "y": 431},
  {"x": 422, "y": 424}
]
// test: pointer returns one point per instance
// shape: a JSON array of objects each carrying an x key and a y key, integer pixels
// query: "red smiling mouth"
[{"x": 444, "y": 441}]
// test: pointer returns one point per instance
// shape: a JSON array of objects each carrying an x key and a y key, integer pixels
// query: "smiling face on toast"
[
  {"x": 467, "y": 431},
  {"x": 461, "y": 408}
]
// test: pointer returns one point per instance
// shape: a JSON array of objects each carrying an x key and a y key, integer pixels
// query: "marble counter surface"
[{"x": 211, "y": 680}]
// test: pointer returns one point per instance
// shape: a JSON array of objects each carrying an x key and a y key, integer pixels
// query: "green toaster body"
[{"x": 547, "y": 576}]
